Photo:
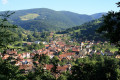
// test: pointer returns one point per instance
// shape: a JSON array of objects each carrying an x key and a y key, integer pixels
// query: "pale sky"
[{"x": 77, "y": 6}]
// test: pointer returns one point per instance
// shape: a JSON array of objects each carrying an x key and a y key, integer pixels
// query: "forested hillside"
[
  {"x": 44, "y": 19},
  {"x": 85, "y": 31}
]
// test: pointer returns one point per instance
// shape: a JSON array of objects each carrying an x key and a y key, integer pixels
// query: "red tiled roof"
[
  {"x": 75, "y": 49},
  {"x": 59, "y": 49},
  {"x": 39, "y": 50},
  {"x": 19, "y": 58},
  {"x": 26, "y": 67},
  {"x": 19, "y": 54},
  {"x": 36, "y": 62},
  {"x": 5, "y": 56},
  {"x": 61, "y": 43},
  {"x": 66, "y": 54},
  {"x": 46, "y": 45},
  {"x": 49, "y": 66},
  {"x": 32, "y": 54},
  {"x": 63, "y": 55},
  {"x": 29, "y": 43},
  {"x": 70, "y": 53},
  {"x": 62, "y": 68},
  {"x": 11, "y": 52},
  {"x": 51, "y": 52},
  {"x": 29, "y": 60}
]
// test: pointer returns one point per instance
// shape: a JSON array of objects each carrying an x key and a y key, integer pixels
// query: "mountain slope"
[
  {"x": 86, "y": 31},
  {"x": 98, "y": 15},
  {"x": 44, "y": 19}
]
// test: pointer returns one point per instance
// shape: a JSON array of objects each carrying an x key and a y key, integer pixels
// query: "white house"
[{"x": 37, "y": 42}]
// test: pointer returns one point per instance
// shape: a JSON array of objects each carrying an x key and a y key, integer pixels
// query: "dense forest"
[
  {"x": 49, "y": 20},
  {"x": 86, "y": 31}
]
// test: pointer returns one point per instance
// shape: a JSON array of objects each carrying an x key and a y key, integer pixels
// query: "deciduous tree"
[{"x": 111, "y": 27}]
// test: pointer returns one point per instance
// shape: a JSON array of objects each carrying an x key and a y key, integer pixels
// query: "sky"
[{"x": 78, "y": 6}]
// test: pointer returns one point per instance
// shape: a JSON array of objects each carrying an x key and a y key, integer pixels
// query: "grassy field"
[{"x": 29, "y": 17}]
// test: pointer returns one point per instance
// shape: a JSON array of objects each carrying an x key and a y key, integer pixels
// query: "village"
[{"x": 56, "y": 48}]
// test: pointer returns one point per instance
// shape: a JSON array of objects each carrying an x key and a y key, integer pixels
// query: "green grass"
[
  {"x": 77, "y": 30},
  {"x": 113, "y": 49},
  {"x": 58, "y": 35},
  {"x": 29, "y": 17}
]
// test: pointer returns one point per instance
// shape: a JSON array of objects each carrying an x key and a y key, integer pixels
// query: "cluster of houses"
[{"x": 25, "y": 60}]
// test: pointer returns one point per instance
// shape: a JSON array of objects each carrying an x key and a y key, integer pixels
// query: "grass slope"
[{"x": 29, "y": 17}]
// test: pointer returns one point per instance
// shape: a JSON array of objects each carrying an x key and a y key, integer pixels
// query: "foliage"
[
  {"x": 60, "y": 52},
  {"x": 62, "y": 77},
  {"x": 40, "y": 74},
  {"x": 9, "y": 71},
  {"x": 44, "y": 59},
  {"x": 96, "y": 68},
  {"x": 5, "y": 34},
  {"x": 55, "y": 62},
  {"x": 12, "y": 36},
  {"x": 86, "y": 31},
  {"x": 104, "y": 46},
  {"x": 111, "y": 27},
  {"x": 69, "y": 50},
  {"x": 33, "y": 46}
]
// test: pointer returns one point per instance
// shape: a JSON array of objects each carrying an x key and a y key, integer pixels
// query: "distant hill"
[
  {"x": 98, "y": 15},
  {"x": 44, "y": 19},
  {"x": 86, "y": 31}
]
